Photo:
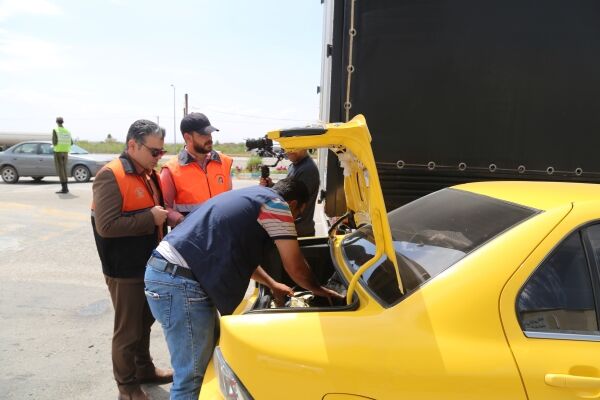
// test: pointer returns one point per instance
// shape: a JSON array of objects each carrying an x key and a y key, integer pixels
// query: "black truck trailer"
[{"x": 465, "y": 90}]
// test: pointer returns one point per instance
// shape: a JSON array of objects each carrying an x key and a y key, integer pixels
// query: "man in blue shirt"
[{"x": 206, "y": 263}]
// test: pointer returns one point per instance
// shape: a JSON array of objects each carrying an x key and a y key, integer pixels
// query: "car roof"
[
  {"x": 540, "y": 195},
  {"x": 34, "y": 141}
]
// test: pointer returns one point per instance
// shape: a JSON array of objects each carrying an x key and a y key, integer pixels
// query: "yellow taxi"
[{"x": 479, "y": 291}]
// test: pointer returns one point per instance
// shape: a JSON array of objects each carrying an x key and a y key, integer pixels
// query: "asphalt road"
[{"x": 55, "y": 311}]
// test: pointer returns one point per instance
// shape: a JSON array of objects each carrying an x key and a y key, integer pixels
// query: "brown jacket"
[{"x": 124, "y": 242}]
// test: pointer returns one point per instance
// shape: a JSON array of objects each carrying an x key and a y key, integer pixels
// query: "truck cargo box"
[{"x": 459, "y": 91}]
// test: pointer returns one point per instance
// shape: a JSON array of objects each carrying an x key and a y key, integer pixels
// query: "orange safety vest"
[
  {"x": 126, "y": 256},
  {"x": 193, "y": 185},
  {"x": 134, "y": 191}
]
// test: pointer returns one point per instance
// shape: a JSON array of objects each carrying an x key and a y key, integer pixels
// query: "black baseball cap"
[{"x": 197, "y": 122}]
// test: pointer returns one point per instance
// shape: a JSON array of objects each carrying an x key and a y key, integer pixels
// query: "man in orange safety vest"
[{"x": 197, "y": 173}]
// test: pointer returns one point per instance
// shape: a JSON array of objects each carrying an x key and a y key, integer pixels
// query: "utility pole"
[{"x": 185, "y": 109}]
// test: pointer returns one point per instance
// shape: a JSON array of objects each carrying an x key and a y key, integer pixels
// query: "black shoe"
[{"x": 64, "y": 188}]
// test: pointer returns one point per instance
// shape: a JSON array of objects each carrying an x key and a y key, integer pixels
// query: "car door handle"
[{"x": 574, "y": 382}]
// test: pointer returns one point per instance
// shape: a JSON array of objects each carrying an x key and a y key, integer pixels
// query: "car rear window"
[{"x": 430, "y": 235}]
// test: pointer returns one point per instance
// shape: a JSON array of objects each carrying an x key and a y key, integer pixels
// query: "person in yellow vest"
[
  {"x": 62, "y": 141},
  {"x": 128, "y": 221},
  {"x": 197, "y": 173}
]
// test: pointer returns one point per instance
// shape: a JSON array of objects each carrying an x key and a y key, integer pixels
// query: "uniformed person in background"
[
  {"x": 197, "y": 173},
  {"x": 62, "y": 141}
]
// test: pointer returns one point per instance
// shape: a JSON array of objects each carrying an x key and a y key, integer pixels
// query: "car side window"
[
  {"x": 46, "y": 148},
  {"x": 27, "y": 148},
  {"x": 593, "y": 235},
  {"x": 559, "y": 297}
]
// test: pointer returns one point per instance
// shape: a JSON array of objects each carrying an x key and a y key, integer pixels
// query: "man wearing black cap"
[
  {"x": 62, "y": 141},
  {"x": 197, "y": 173}
]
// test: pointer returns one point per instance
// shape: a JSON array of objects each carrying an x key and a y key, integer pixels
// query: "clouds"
[
  {"x": 12, "y": 8},
  {"x": 103, "y": 64},
  {"x": 21, "y": 53}
]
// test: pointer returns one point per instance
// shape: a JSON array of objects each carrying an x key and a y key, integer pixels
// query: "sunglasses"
[{"x": 155, "y": 152}]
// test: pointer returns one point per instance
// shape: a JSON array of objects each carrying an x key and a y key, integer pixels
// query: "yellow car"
[{"x": 479, "y": 291}]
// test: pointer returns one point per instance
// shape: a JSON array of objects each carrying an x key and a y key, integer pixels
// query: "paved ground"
[{"x": 55, "y": 312}]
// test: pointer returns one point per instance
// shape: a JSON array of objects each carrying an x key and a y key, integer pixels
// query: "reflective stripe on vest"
[
  {"x": 134, "y": 192},
  {"x": 193, "y": 186},
  {"x": 63, "y": 143}
]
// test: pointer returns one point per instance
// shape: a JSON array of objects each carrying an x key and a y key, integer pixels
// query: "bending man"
[{"x": 206, "y": 263}]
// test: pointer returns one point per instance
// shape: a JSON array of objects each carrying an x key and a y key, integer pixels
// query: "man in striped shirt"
[{"x": 206, "y": 263}]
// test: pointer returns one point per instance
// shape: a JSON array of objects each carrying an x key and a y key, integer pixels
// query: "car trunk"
[
  {"x": 351, "y": 142},
  {"x": 317, "y": 252}
]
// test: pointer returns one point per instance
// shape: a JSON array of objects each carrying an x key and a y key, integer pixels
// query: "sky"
[{"x": 250, "y": 65}]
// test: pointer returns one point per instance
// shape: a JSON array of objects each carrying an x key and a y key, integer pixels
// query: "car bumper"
[
  {"x": 95, "y": 168},
  {"x": 210, "y": 385}
]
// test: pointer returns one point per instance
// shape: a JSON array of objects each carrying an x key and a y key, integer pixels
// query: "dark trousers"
[
  {"x": 131, "y": 334},
  {"x": 60, "y": 163}
]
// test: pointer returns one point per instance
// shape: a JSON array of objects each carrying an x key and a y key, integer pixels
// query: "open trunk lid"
[{"x": 351, "y": 142}]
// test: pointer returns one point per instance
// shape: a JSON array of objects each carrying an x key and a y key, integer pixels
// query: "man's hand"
[
  {"x": 159, "y": 214},
  {"x": 325, "y": 292},
  {"x": 298, "y": 269},
  {"x": 268, "y": 182},
  {"x": 279, "y": 291}
]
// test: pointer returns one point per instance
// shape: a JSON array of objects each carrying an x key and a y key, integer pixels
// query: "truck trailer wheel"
[{"x": 9, "y": 174}]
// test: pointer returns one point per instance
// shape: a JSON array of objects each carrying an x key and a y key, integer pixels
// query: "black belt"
[{"x": 174, "y": 269}]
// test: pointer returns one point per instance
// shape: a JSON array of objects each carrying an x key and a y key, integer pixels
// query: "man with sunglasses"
[
  {"x": 197, "y": 173},
  {"x": 128, "y": 220}
]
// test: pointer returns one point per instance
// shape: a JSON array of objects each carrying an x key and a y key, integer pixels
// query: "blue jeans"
[{"x": 191, "y": 326}]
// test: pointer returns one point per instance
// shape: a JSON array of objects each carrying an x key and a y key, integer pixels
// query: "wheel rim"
[
  {"x": 80, "y": 174},
  {"x": 8, "y": 174}
]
